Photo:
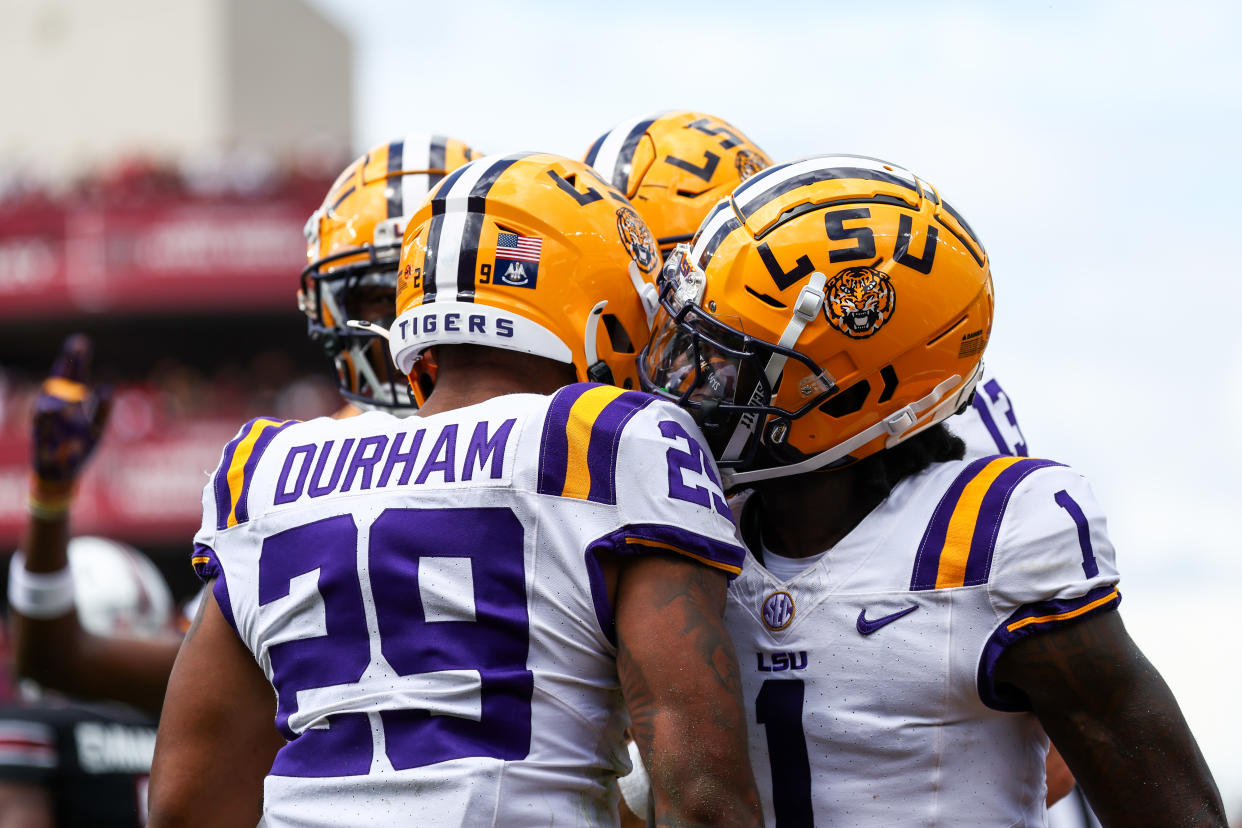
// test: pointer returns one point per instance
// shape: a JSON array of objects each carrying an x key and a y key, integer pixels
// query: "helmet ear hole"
[
  {"x": 889, "y": 375},
  {"x": 617, "y": 335},
  {"x": 848, "y": 401}
]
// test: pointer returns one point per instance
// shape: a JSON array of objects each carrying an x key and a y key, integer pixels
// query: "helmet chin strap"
[
  {"x": 647, "y": 293},
  {"x": 592, "y": 329},
  {"x": 806, "y": 308},
  {"x": 898, "y": 426},
  {"x": 597, "y": 370}
]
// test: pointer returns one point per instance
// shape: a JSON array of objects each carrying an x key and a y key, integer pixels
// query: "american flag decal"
[{"x": 521, "y": 248}]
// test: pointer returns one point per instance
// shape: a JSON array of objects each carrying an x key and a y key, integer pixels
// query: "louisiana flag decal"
[{"x": 517, "y": 260}]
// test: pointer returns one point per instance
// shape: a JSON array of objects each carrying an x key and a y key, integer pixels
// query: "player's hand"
[{"x": 69, "y": 417}]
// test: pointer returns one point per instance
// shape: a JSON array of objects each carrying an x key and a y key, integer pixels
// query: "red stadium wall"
[{"x": 189, "y": 299}]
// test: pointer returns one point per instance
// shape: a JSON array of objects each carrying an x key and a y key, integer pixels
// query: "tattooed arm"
[
  {"x": 1116, "y": 723},
  {"x": 682, "y": 687},
  {"x": 217, "y": 737}
]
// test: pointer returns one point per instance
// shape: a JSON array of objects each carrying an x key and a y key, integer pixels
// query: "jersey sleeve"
[
  {"x": 1053, "y": 565},
  {"x": 225, "y": 497},
  {"x": 664, "y": 483},
  {"x": 226, "y": 502},
  {"x": 29, "y": 749}
]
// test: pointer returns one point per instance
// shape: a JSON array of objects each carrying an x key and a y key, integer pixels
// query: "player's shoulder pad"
[
  {"x": 960, "y": 540},
  {"x": 230, "y": 483},
  {"x": 581, "y": 440}
]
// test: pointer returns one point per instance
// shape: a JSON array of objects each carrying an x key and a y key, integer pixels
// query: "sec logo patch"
[{"x": 778, "y": 611}]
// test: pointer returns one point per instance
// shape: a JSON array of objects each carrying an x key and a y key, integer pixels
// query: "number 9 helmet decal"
[
  {"x": 528, "y": 252},
  {"x": 353, "y": 245},
  {"x": 674, "y": 166},
  {"x": 829, "y": 308}
]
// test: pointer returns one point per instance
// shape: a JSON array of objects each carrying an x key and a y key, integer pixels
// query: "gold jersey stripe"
[
  {"x": 582, "y": 416},
  {"x": 1062, "y": 616},
  {"x": 736, "y": 570},
  {"x": 237, "y": 468},
  {"x": 961, "y": 531}
]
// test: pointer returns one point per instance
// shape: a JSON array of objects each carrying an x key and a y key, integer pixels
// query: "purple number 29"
[
  {"x": 695, "y": 460},
  {"x": 449, "y": 591}
]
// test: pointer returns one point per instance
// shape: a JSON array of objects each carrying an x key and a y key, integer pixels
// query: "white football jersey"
[
  {"x": 424, "y": 595},
  {"x": 989, "y": 425},
  {"x": 868, "y": 676}
]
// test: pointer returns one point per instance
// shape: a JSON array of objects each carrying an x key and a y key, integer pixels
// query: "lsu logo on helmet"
[
  {"x": 747, "y": 163},
  {"x": 779, "y": 325},
  {"x": 636, "y": 237},
  {"x": 859, "y": 301},
  {"x": 674, "y": 166}
]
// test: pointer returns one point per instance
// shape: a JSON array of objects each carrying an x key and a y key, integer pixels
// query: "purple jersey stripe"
[
  {"x": 991, "y": 512},
  {"x": 220, "y": 484},
  {"x": 661, "y": 539},
  {"x": 606, "y": 440},
  {"x": 1030, "y": 619},
  {"x": 927, "y": 561},
  {"x": 599, "y": 593},
  {"x": 554, "y": 447},
  {"x": 207, "y": 568},
  {"x": 260, "y": 445}
]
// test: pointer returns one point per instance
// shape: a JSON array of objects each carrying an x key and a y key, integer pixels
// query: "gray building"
[{"x": 86, "y": 82}]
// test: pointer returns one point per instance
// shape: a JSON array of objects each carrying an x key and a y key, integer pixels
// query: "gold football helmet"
[
  {"x": 829, "y": 308},
  {"x": 353, "y": 245},
  {"x": 674, "y": 166},
  {"x": 529, "y": 252}
]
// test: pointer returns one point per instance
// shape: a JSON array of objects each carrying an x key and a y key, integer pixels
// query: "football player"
[
  {"x": 451, "y": 608},
  {"x": 68, "y": 763},
  {"x": 674, "y": 166},
  {"x": 908, "y": 623},
  {"x": 354, "y": 242}
]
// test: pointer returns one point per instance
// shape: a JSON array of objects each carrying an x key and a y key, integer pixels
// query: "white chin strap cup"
[{"x": 899, "y": 425}]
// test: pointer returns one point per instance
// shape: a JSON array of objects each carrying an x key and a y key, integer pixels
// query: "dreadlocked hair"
[{"x": 878, "y": 473}]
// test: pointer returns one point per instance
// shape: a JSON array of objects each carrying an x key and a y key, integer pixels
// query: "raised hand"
[{"x": 69, "y": 417}]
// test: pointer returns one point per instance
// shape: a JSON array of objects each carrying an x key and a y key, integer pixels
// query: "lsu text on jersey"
[{"x": 870, "y": 672}]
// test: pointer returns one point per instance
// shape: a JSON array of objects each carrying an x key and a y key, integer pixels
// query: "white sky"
[{"x": 1090, "y": 144}]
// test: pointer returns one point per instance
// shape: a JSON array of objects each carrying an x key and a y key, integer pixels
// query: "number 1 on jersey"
[{"x": 778, "y": 707}]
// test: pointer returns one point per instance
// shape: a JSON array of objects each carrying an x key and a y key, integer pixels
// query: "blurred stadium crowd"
[{"x": 185, "y": 277}]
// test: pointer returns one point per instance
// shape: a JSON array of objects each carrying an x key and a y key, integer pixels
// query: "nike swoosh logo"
[{"x": 868, "y": 627}]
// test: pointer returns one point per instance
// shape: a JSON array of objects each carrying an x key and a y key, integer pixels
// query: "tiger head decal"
[
  {"x": 748, "y": 163},
  {"x": 637, "y": 239},
  {"x": 860, "y": 300}
]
